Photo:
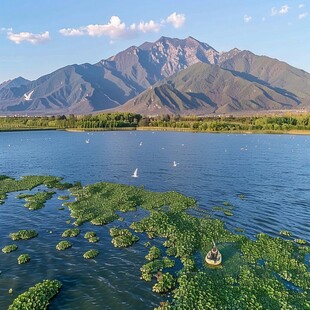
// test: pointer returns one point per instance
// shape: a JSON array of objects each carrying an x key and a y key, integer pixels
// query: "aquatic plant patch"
[
  {"x": 300, "y": 241},
  {"x": 154, "y": 253},
  {"x": 165, "y": 283},
  {"x": 9, "y": 248},
  {"x": 63, "y": 197},
  {"x": 149, "y": 270},
  {"x": 23, "y": 259},
  {"x": 9, "y": 185},
  {"x": 285, "y": 233},
  {"x": 99, "y": 202},
  {"x": 23, "y": 234},
  {"x": 122, "y": 238},
  {"x": 37, "y": 297},
  {"x": 264, "y": 273},
  {"x": 89, "y": 234},
  {"x": 90, "y": 254},
  {"x": 228, "y": 213},
  {"x": 71, "y": 232},
  {"x": 63, "y": 245},
  {"x": 36, "y": 201},
  {"x": 93, "y": 239}
]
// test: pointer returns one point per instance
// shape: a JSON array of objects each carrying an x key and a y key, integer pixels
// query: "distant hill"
[{"x": 163, "y": 77}]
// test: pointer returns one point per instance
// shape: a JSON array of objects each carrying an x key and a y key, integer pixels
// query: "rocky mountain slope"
[
  {"x": 205, "y": 89},
  {"x": 152, "y": 74}
]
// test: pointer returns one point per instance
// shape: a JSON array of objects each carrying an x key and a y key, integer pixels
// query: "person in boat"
[{"x": 213, "y": 254}]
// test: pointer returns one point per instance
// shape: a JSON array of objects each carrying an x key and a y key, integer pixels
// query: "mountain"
[
  {"x": 82, "y": 89},
  {"x": 204, "y": 89},
  {"x": 151, "y": 71},
  {"x": 292, "y": 81},
  {"x": 14, "y": 83}
]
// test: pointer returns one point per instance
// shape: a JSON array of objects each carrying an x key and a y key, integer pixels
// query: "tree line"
[
  {"x": 99, "y": 121},
  {"x": 106, "y": 121}
]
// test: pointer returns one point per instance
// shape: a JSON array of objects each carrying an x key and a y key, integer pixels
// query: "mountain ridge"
[{"x": 115, "y": 82}]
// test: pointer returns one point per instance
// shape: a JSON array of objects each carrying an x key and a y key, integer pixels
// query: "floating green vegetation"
[
  {"x": 23, "y": 196},
  {"x": 71, "y": 232},
  {"x": 8, "y": 185},
  {"x": 63, "y": 197},
  {"x": 37, "y": 297},
  {"x": 1, "y": 202},
  {"x": 102, "y": 219},
  {"x": 227, "y": 204},
  {"x": 4, "y": 177},
  {"x": 89, "y": 234},
  {"x": 265, "y": 273},
  {"x": 228, "y": 213},
  {"x": 63, "y": 245},
  {"x": 150, "y": 270},
  {"x": 285, "y": 233},
  {"x": 90, "y": 254},
  {"x": 23, "y": 259},
  {"x": 122, "y": 238},
  {"x": 99, "y": 202},
  {"x": 218, "y": 208},
  {"x": 9, "y": 248},
  {"x": 165, "y": 283},
  {"x": 94, "y": 239},
  {"x": 300, "y": 241},
  {"x": 23, "y": 234},
  {"x": 36, "y": 201},
  {"x": 241, "y": 196},
  {"x": 56, "y": 183},
  {"x": 153, "y": 254}
]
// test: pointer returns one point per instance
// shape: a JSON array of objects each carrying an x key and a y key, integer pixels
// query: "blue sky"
[{"x": 38, "y": 37}]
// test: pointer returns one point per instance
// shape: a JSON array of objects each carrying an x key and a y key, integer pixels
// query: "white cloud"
[
  {"x": 28, "y": 37},
  {"x": 71, "y": 32},
  {"x": 150, "y": 26},
  {"x": 302, "y": 15},
  {"x": 177, "y": 20},
  {"x": 115, "y": 28},
  {"x": 247, "y": 18},
  {"x": 284, "y": 9},
  {"x": 300, "y": 6}
]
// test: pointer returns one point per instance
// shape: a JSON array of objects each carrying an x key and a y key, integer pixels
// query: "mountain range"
[{"x": 174, "y": 76}]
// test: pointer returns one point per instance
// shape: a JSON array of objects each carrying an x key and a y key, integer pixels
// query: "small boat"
[{"x": 214, "y": 257}]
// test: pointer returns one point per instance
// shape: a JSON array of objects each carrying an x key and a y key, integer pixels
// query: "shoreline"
[
  {"x": 171, "y": 129},
  {"x": 272, "y": 132}
]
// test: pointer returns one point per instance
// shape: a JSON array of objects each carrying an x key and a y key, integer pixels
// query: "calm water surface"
[{"x": 271, "y": 171}]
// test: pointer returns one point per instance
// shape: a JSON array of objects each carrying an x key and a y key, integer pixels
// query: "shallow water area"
[{"x": 271, "y": 171}]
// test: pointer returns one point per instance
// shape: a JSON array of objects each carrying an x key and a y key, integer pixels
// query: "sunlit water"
[{"x": 271, "y": 171}]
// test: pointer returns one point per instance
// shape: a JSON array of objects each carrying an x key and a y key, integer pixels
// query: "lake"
[{"x": 271, "y": 171}]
